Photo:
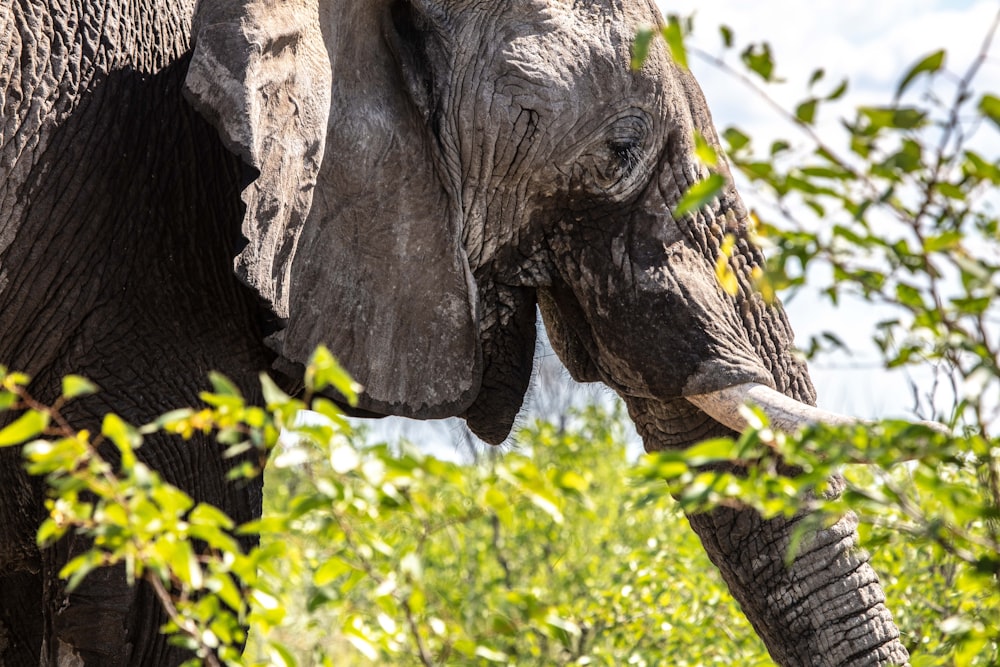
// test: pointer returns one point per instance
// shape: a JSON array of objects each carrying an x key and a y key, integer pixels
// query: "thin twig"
[{"x": 184, "y": 624}]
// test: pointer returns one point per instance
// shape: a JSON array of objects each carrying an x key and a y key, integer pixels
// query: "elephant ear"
[
  {"x": 351, "y": 235},
  {"x": 261, "y": 74}
]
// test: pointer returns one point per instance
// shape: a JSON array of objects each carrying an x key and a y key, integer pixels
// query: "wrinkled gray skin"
[{"x": 419, "y": 175}]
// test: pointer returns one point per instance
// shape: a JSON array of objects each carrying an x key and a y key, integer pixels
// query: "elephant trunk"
[
  {"x": 824, "y": 609},
  {"x": 716, "y": 351},
  {"x": 827, "y": 608}
]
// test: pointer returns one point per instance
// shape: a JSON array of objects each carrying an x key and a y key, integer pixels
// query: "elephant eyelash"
[{"x": 627, "y": 154}]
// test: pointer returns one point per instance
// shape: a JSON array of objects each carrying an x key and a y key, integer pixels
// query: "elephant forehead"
[{"x": 563, "y": 50}]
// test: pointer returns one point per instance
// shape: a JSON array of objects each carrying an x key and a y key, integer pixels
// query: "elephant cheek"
[
  {"x": 568, "y": 333},
  {"x": 669, "y": 330}
]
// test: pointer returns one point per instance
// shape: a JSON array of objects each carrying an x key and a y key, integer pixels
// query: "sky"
[{"x": 873, "y": 43}]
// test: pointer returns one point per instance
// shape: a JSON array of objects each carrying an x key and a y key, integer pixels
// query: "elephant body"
[
  {"x": 120, "y": 207},
  {"x": 223, "y": 187}
]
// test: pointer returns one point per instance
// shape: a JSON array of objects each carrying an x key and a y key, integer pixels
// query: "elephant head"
[{"x": 426, "y": 172}]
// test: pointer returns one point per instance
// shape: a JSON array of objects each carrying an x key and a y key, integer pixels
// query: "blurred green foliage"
[
  {"x": 546, "y": 555},
  {"x": 377, "y": 553},
  {"x": 895, "y": 205}
]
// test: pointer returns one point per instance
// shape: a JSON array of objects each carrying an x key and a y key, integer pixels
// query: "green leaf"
[
  {"x": 640, "y": 46},
  {"x": 223, "y": 385},
  {"x": 700, "y": 194},
  {"x": 838, "y": 92},
  {"x": 929, "y": 64},
  {"x": 10, "y": 381},
  {"x": 727, "y": 36},
  {"x": 779, "y": 146},
  {"x": 571, "y": 480},
  {"x": 123, "y": 434},
  {"x": 49, "y": 532},
  {"x": 281, "y": 656},
  {"x": 74, "y": 386},
  {"x": 972, "y": 305},
  {"x": 978, "y": 168},
  {"x": 735, "y": 138},
  {"x": 710, "y": 451},
  {"x": 167, "y": 420},
  {"x": 273, "y": 395},
  {"x": 80, "y": 567},
  {"x": 674, "y": 36},
  {"x": 330, "y": 571},
  {"x": 704, "y": 151},
  {"x": 29, "y": 425},
  {"x": 910, "y": 296},
  {"x": 324, "y": 371},
  {"x": 943, "y": 241},
  {"x": 209, "y": 515},
  {"x": 989, "y": 105},
  {"x": 806, "y": 112},
  {"x": 902, "y": 118},
  {"x": 757, "y": 58},
  {"x": 951, "y": 191}
]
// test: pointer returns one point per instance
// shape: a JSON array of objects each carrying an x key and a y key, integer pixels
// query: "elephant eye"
[
  {"x": 626, "y": 153},
  {"x": 623, "y": 160},
  {"x": 613, "y": 161}
]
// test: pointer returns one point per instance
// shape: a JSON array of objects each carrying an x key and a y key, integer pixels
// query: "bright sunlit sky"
[{"x": 873, "y": 43}]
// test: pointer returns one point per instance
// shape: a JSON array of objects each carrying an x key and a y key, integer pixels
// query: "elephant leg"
[
  {"x": 20, "y": 619},
  {"x": 825, "y": 610},
  {"x": 86, "y": 626},
  {"x": 103, "y": 621}
]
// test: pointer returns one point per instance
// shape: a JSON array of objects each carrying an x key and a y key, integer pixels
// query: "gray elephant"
[{"x": 404, "y": 181}]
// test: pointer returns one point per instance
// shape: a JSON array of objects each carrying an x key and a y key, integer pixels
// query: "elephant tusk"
[{"x": 785, "y": 414}]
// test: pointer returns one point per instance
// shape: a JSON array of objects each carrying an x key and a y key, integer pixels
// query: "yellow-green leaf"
[
  {"x": 929, "y": 64},
  {"x": 990, "y": 107},
  {"x": 324, "y": 371},
  {"x": 273, "y": 395},
  {"x": 123, "y": 434},
  {"x": 223, "y": 385},
  {"x": 209, "y": 515},
  {"x": 806, "y": 112},
  {"x": 674, "y": 37},
  {"x": 640, "y": 46},
  {"x": 29, "y": 425},
  {"x": 723, "y": 271},
  {"x": 700, "y": 194},
  {"x": 74, "y": 386},
  {"x": 704, "y": 151},
  {"x": 330, "y": 570}
]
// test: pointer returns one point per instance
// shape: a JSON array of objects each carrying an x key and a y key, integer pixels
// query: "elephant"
[{"x": 225, "y": 185}]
